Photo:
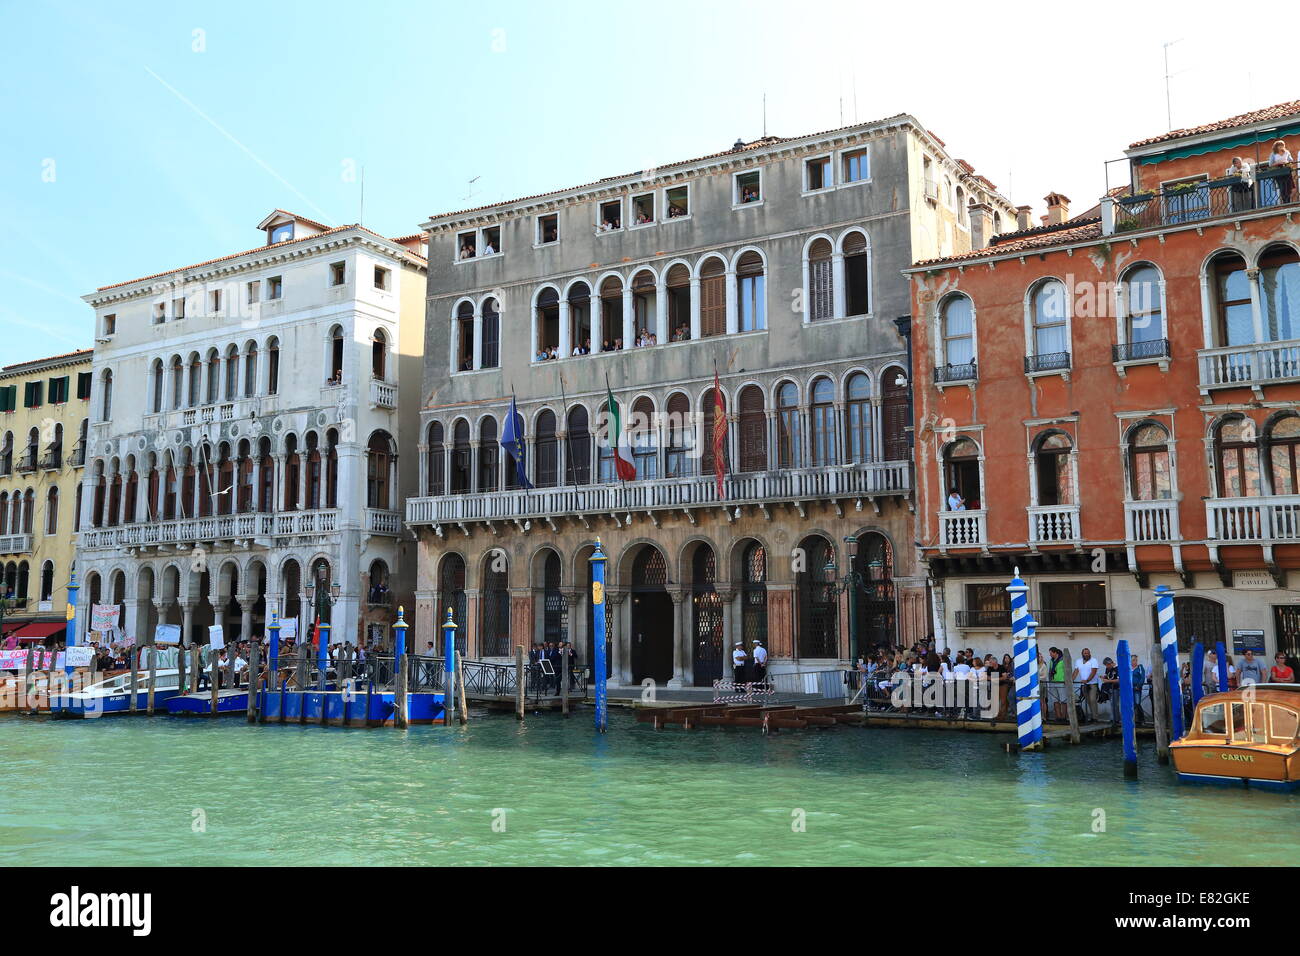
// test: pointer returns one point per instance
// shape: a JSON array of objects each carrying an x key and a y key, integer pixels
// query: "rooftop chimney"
[
  {"x": 1022, "y": 217},
  {"x": 981, "y": 225},
  {"x": 1058, "y": 208}
]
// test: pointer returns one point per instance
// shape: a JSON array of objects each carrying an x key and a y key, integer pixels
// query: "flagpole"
[
  {"x": 568, "y": 439},
  {"x": 613, "y": 445}
]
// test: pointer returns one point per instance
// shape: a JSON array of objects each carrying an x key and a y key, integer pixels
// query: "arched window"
[
  {"x": 822, "y": 415},
  {"x": 547, "y": 450},
  {"x": 644, "y": 307},
  {"x": 548, "y": 322},
  {"x": 273, "y": 366},
  {"x": 821, "y": 281},
  {"x": 464, "y": 337},
  {"x": 707, "y": 637},
  {"x": 1237, "y": 456},
  {"x": 895, "y": 415},
  {"x": 29, "y": 510},
  {"x": 435, "y": 465},
  {"x": 579, "y": 319},
  {"x": 753, "y": 430},
  {"x": 1148, "y": 457},
  {"x": 1052, "y": 466},
  {"x": 4, "y": 512},
  {"x": 857, "y": 414},
  {"x": 818, "y": 607},
  {"x": 52, "y": 511},
  {"x": 379, "y": 463},
  {"x": 962, "y": 475},
  {"x": 678, "y": 281},
  {"x": 1284, "y": 455},
  {"x": 494, "y": 619},
  {"x": 244, "y": 479},
  {"x": 1049, "y": 339},
  {"x": 611, "y": 315},
  {"x": 753, "y": 613},
  {"x": 7, "y": 454},
  {"x": 555, "y": 609},
  {"x": 460, "y": 458},
  {"x": 106, "y": 406},
  {"x": 213, "y": 391},
  {"x": 232, "y": 373},
  {"x": 489, "y": 455},
  {"x": 292, "y": 473},
  {"x": 713, "y": 297},
  {"x": 788, "y": 439},
  {"x": 157, "y": 386},
  {"x": 250, "y": 369},
  {"x": 751, "y": 287},
  {"x": 578, "y": 446},
  {"x": 178, "y": 381},
  {"x": 1279, "y": 293},
  {"x": 379, "y": 356},
  {"x": 645, "y": 444},
  {"x": 1144, "y": 326},
  {"x": 1236, "y": 321},
  {"x": 857, "y": 283},
  {"x": 314, "y": 472},
  {"x": 336, "y": 356},
  {"x": 451, "y": 591},
  {"x": 47, "y": 581},
  {"x": 680, "y": 437},
  {"x": 194, "y": 381},
  {"x": 491, "y": 357},
  {"x": 958, "y": 330},
  {"x": 266, "y": 479}
]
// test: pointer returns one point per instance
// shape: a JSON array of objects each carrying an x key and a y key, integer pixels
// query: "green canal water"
[{"x": 128, "y": 791}]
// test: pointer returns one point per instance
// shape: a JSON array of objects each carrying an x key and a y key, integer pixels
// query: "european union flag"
[{"x": 512, "y": 440}]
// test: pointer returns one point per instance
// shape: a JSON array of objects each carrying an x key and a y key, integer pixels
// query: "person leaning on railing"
[{"x": 1281, "y": 156}]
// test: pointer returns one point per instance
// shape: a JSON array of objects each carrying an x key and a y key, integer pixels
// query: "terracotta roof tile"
[
  {"x": 78, "y": 353},
  {"x": 1245, "y": 119},
  {"x": 1028, "y": 240}
]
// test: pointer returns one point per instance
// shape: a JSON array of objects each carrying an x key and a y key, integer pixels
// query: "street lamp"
[
  {"x": 322, "y": 598},
  {"x": 849, "y": 584}
]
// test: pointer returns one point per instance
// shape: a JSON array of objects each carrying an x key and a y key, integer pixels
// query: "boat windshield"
[
  {"x": 1212, "y": 722},
  {"x": 1285, "y": 723}
]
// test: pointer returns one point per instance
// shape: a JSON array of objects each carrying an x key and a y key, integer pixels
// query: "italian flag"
[{"x": 619, "y": 445}]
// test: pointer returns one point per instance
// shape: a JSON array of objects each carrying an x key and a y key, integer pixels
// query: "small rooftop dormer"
[{"x": 283, "y": 226}]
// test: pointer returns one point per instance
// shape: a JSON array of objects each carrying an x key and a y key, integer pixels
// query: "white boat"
[{"x": 113, "y": 696}]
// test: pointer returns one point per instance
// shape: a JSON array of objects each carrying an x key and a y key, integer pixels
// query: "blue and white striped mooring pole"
[
  {"x": 1169, "y": 650},
  {"x": 1029, "y": 714},
  {"x": 448, "y": 668},
  {"x": 1124, "y": 659},
  {"x": 598, "y": 638}
]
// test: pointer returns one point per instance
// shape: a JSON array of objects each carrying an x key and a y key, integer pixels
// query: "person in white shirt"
[
  {"x": 488, "y": 250},
  {"x": 239, "y": 667},
  {"x": 1281, "y": 156},
  {"x": 1087, "y": 671},
  {"x": 760, "y": 661},
  {"x": 738, "y": 659},
  {"x": 956, "y": 502}
]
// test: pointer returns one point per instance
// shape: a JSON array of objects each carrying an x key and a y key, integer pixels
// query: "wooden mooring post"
[
  {"x": 182, "y": 652},
  {"x": 26, "y": 702},
  {"x": 399, "y": 692},
  {"x": 462, "y": 713},
  {"x": 519, "y": 682},
  {"x": 564, "y": 685},
  {"x": 1072, "y": 708},
  {"x": 135, "y": 676},
  {"x": 153, "y": 675},
  {"x": 254, "y": 680},
  {"x": 1160, "y": 703},
  {"x": 214, "y": 666}
]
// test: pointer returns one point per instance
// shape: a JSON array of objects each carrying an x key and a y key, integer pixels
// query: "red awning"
[{"x": 40, "y": 630}]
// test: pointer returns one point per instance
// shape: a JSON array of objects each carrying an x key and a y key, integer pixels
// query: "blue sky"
[{"x": 133, "y": 144}]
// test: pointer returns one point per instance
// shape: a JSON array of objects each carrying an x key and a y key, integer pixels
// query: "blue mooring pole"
[
  {"x": 1169, "y": 650},
  {"x": 598, "y": 638},
  {"x": 1221, "y": 653},
  {"x": 70, "y": 632},
  {"x": 323, "y": 651},
  {"x": 1198, "y": 673},
  {"x": 273, "y": 654},
  {"x": 1124, "y": 659},
  {"x": 448, "y": 668},
  {"x": 1029, "y": 714}
]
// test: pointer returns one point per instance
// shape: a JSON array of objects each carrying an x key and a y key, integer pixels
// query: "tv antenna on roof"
[
  {"x": 471, "y": 183},
  {"x": 1169, "y": 112}
]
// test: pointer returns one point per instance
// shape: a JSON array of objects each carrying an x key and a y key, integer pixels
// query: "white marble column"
[
  {"x": 837, "y": 285},
  {"x": 695, "y": 307},
  {"x": 733, "y": 303}
]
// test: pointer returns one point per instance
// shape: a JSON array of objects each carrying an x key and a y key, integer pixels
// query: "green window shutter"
[
  {"x": 83, "y": 384},
  {"x": 7, "y": 398}
]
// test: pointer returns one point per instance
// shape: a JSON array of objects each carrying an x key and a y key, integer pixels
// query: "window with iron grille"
[
  {"x": 818, "y": 607},
  {"x": 555, "y": 622},
  {"x": 753, "y": 597},
  {"x": 706, "y": 618},
  {"x": 451, "y": 594},
  {"x": 1198, "y": 620}
]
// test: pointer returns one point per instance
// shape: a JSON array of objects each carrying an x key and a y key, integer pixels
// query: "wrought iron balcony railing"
[
  {"x": 952, "y": 374},
  {"x": 1138, "y": 351},
  {"x": 1047, "y": 362},
  {"x": 1212, "y": 199},
  {"x": 1045, "y": 617}
]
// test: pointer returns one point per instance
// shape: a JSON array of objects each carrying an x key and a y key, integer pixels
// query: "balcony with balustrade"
[
  {"x": 964, "y": 529},
  {"x": 1250, "y": 366},
  {"x": 1151, "y": 522},
  {"x": 382, "y": 394},
  {"x": 846, "y": 485},
  {"x": 1053, "y": 524},
  {"x": 15, "y": 544},
  {"x": 1263, "y": 520}
]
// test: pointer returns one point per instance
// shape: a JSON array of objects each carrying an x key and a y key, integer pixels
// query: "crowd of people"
[{"x": 547, "y": 661}]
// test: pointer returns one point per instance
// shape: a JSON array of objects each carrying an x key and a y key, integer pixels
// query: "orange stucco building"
[{"x": 1111, "y": 401}]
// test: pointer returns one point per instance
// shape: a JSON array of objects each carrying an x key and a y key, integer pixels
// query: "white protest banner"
[
  {"x": 167, "y": 634},
  {"x": 79, "y": 656},
  {"x": 216, "y": 637},
  {"x": 289, "y": 629},
  {"x": 13, "y": 660},
  {"x": 103, "y": 617}
]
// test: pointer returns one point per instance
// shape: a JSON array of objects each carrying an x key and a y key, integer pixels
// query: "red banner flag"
[{"x": 719, "y": 434}]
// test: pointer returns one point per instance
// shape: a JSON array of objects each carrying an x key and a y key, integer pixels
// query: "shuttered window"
[
  {"x": 856, "y": 284},
  {"x": 713, "y": 299},
  {"x": 753, "y": 430},
  {"x": 32, "y": 393},
  {"x": 8, "y": 398},
  {"x": 821, "y": 296}
]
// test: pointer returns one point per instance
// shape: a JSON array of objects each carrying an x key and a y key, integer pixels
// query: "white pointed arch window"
[{"x": 1047, "y": 346}]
